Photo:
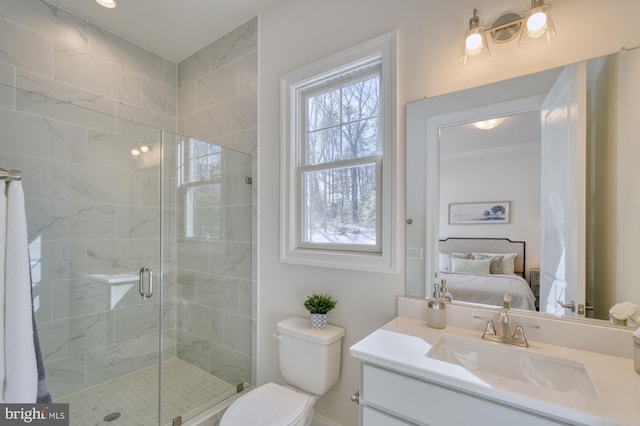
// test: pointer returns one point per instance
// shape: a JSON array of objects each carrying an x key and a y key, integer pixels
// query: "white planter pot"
[{"x": 318, "y": 321}]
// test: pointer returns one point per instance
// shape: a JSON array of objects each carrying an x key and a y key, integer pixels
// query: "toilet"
[{"x": 310, "y": 365}]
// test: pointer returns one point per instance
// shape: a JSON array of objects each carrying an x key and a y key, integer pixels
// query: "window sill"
[{"x": 365, "y": 262}]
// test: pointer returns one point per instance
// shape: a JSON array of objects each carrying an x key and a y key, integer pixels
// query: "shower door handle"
[{"x": 145, "y": 294}]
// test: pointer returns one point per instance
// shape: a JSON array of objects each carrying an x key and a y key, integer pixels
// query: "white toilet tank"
[{"x": 309, "y": 358}]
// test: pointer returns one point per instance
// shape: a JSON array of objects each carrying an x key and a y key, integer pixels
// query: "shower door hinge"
[
  {"x": 177, "y": 421},
  {"x": 239, "y": 387},
  {"x": 248, "y": 180}
]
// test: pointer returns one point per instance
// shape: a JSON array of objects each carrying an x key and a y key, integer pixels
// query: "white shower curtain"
[{"x": 18, "y": 368}]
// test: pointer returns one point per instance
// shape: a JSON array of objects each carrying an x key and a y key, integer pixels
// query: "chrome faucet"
[
  {"x": 503, "y": 317},
  {"x": 518, "y": 337}
]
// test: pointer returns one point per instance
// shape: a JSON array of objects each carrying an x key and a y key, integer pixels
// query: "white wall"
[
  {"x": 509, "y": 176},
  {"x": 302, "y": 31}
]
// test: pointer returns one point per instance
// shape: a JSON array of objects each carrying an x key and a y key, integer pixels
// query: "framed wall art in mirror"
[{"x": 476, "y": 213}]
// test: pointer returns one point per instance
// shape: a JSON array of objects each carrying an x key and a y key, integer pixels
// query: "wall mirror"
[{"x": 526, "y": 186}]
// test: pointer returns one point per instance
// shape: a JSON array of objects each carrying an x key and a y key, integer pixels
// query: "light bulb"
[
  {"x": 536, "y": 24},
  {"x": 144, "y": 149},
  {"x": 475, "y": 46},
  {"x": 135, "y": 153},
  {"x": 474, "y": 43},
  {"x": 539, "y": 29}
]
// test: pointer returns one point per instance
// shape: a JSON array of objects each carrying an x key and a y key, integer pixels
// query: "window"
[
  {"x": 341, "y": 164},
  {"x": 200, "y": 181},
  {"x": 338, "y": 147}
]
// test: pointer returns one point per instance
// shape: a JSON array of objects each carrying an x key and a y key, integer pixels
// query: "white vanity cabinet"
[
  {"x": 404, "y": 379},
  {"x": 390, "y": 398}
]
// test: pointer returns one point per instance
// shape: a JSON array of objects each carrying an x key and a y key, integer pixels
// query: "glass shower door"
[
  {"x": 92, "y": 195},
  {"x": 122, "y": 249},
  {"x": 207, "y": 222}
]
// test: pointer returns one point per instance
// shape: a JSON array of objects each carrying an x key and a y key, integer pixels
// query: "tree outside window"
[{"x": 340, "y": 169}]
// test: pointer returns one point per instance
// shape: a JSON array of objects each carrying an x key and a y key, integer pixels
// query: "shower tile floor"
[{"x": 187, "y": 390}]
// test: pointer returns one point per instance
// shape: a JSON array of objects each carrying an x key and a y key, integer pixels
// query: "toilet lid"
[{"x": 267, "y": 405}]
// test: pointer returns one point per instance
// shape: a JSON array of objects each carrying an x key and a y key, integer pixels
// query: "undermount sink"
[{"x": 511, "y": 367}]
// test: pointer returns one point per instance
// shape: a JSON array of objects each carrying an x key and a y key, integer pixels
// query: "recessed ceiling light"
[
  {"x": 488, "y": 124},
  {"x": 107, "y": 3}
]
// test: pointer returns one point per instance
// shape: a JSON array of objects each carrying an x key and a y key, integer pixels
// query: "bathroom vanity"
[{"x": 413, "y": 374}]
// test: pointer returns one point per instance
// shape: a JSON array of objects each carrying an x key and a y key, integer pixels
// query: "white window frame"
[{"x": 293, "y": 85}]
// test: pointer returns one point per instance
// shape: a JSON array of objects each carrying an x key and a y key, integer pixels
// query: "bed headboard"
[{"x": 487, "y": 245}]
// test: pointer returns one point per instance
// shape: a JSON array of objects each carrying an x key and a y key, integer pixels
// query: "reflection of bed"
[{"x": 487, "y": 288}]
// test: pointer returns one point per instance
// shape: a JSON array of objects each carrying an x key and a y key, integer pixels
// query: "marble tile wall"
[
  {"x": 56, "y": 54},
  {"x": 217, "y": 103},
  {"x": 84, "y": 98},
  {"x": 214, "y": 285},
  {"x": 217, "y": 91},
  {"x": 75, "y": 100}
]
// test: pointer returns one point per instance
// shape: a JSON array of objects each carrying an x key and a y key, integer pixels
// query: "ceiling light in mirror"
[
  {"x": 110, "y": 4},
  {"x": 492, "y": 123}
]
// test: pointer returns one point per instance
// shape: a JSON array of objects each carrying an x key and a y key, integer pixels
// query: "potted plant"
[{"x": 318, "y": 305}]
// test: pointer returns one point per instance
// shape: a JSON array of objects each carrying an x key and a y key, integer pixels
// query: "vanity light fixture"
[
  {"x": 109, "y": 4},
  {"x": 135, "y": 153},
  {"x": 535, "y": 29},
  {"x": 144, "y": 149}
]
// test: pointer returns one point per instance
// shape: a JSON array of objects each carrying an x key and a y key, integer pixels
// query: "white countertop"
[{"x": 402, "y": 344}]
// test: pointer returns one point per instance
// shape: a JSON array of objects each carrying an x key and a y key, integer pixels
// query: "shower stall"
[{"x": 140, "y": 246}]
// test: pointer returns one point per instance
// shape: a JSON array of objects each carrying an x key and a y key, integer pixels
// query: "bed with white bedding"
[
  {"x": 482, "y": 270},
  {"x": 489, "y": 289}
]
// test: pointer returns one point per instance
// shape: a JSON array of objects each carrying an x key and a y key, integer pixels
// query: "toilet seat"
[{"x": 268, "y": 405}]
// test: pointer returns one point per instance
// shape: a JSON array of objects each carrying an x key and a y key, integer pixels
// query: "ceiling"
[
  {"x": 517, "y": 131},
  {"x": 174, "y": 29}
]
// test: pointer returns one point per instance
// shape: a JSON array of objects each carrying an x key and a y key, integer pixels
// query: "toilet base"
[{"x": 271, "y": 404}]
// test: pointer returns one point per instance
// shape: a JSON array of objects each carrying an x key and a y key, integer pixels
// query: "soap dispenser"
[
  {"x": 503, "y": 317},
  {"x": 436, "y": 309}
]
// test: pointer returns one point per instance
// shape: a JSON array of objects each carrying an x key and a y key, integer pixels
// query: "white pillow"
[
  {"x": 497, "y": 263},
  {"x": 444, "y": 259},
  {"x": 508, "y": 261},
  {"x": 470, "y": 266}
]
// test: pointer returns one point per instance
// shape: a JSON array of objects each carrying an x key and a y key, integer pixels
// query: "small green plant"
[{"x": 320, "y": 303}]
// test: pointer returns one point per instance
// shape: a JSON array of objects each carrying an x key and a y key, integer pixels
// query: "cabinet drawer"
[
  {"x": 372, "y": 417},
  {"x": 418, "y": 401}
]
